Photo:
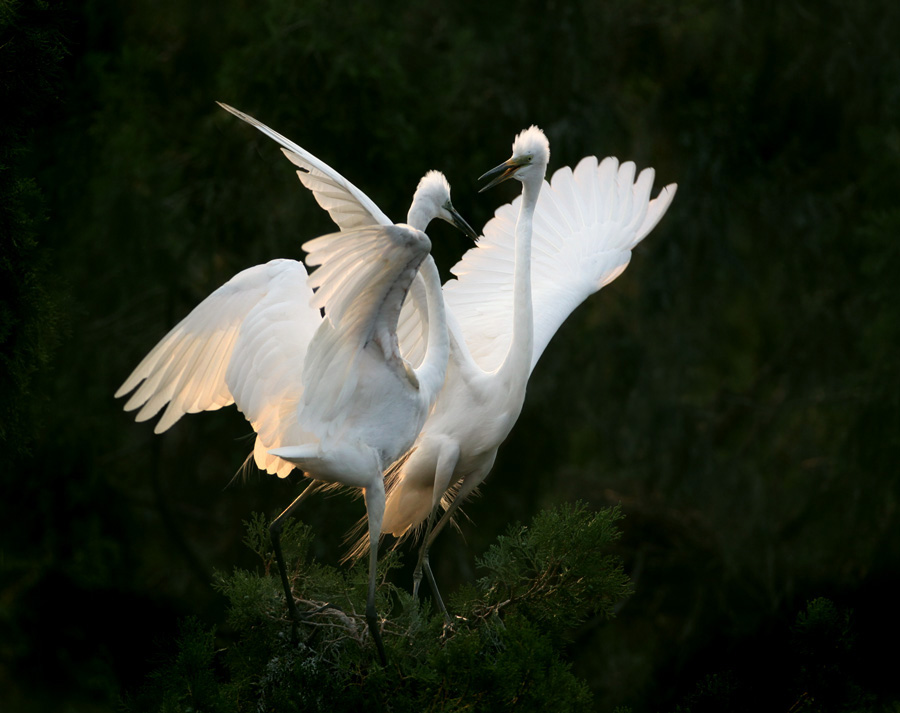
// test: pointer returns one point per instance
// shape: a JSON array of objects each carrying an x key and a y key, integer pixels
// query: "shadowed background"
[{"x": 736, "y": 389}]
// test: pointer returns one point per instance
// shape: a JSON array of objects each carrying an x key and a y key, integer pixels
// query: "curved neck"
[
  {"x": 434, "y": 365},
  {"x": 419, "y": 216},
  {"x": 518, "y": 359}
]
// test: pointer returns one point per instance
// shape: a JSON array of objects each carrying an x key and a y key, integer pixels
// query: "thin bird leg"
[
  {"x": 435, "y": 592},
  {"x": 428, "y": 540},
  {"x": 448, "y": 458},
  {"x": 275, "y": 533},
  {"x": 423, "y": 563},
  {"x": 461, "y": 495},
  {"x": 374, "y": 496},
  {"x": 423, "y": 555}
]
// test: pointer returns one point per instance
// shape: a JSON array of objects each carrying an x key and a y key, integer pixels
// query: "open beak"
[
  {"x": 462, "y": 225},
  {"x": 503, "y": 172}
]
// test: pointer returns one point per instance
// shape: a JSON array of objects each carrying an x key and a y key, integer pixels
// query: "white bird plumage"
[
  {"x": 331, "y": 396},
  {"x": 217, "y": 354},
  {"x": 576, "y": 236},
  {"x": 361, "y": 401}
]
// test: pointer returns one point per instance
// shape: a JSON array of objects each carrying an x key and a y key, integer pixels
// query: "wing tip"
[{"x": 126, "y": 388}]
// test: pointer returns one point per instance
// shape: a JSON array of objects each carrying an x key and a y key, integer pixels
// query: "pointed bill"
[
  {"x": 503, "y": 172},
  {"x": 460, "y": 224}
]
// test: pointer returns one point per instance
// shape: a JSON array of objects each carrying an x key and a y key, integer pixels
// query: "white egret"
[
  {"x": 260, "y": 338},
  {"x": 512, "y": 293},
  {"x": 331, "y": 396},
  {"x": 362, "y": 402}
]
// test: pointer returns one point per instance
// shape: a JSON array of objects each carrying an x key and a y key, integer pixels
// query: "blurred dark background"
[{"x": 736, "y": 390}]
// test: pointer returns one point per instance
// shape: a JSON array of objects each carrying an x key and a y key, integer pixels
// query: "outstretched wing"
[
  {"x": 265, "y": 373},
  {"x": 244, "y": 343},
  {"x": 186, "y": 369},
  {"x": 348, "y": 206},
  {"x": 585, "y": 225},
  {"x": 362, "y": 279},
  {"x": 350, "y": 209}
]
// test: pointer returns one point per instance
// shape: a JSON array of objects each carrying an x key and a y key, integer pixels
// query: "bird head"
[
  {"x": 531, "y": 153},
  {"x": 432, "y": 200}
]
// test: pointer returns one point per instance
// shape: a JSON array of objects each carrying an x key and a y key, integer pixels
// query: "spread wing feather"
[
  {"x": 266, "y": 369},
  {"x": 362, "y": 278},
  {"x": 350, "y": 209},
  {"x": 186, "y": 369},
  {"x": 585, "y": 225},
  {"x": 348, "y": 206}
]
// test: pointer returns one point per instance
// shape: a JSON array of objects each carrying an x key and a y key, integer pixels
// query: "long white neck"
[
  {"x": 518, "y": 359},
  {"x": 420, "y": 214},
  {"x": 434, "y": 365}
]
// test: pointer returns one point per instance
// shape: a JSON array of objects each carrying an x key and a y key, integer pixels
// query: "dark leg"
[
  {"x": 424, "y": 564},
  {"x": 435, "y": 592},
  {"x": 448, "y": 458},
  {"x": 423, "y": 556},
  {"x": 275, "y": 532},
  {"x": 375, "y": 509}
]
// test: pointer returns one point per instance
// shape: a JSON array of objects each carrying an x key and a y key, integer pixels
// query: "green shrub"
[{"x": 504, "y": 651}]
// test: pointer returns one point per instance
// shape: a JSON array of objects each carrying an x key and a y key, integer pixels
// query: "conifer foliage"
[{"x": 503, "y": 651}]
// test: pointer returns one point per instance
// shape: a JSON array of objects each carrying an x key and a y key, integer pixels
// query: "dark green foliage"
[
  {"x": 823, "y": 641},
  {"x": 32, "y": 50},
  {"x": 714, "y": 694},
  {"x": 497, "y": 655},
  {"x": 188, "y": 683},
  {"x": 548, "y": 571}
]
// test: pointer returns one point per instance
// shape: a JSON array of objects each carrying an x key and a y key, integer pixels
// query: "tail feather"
[{"x": 358, "y": 537}]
